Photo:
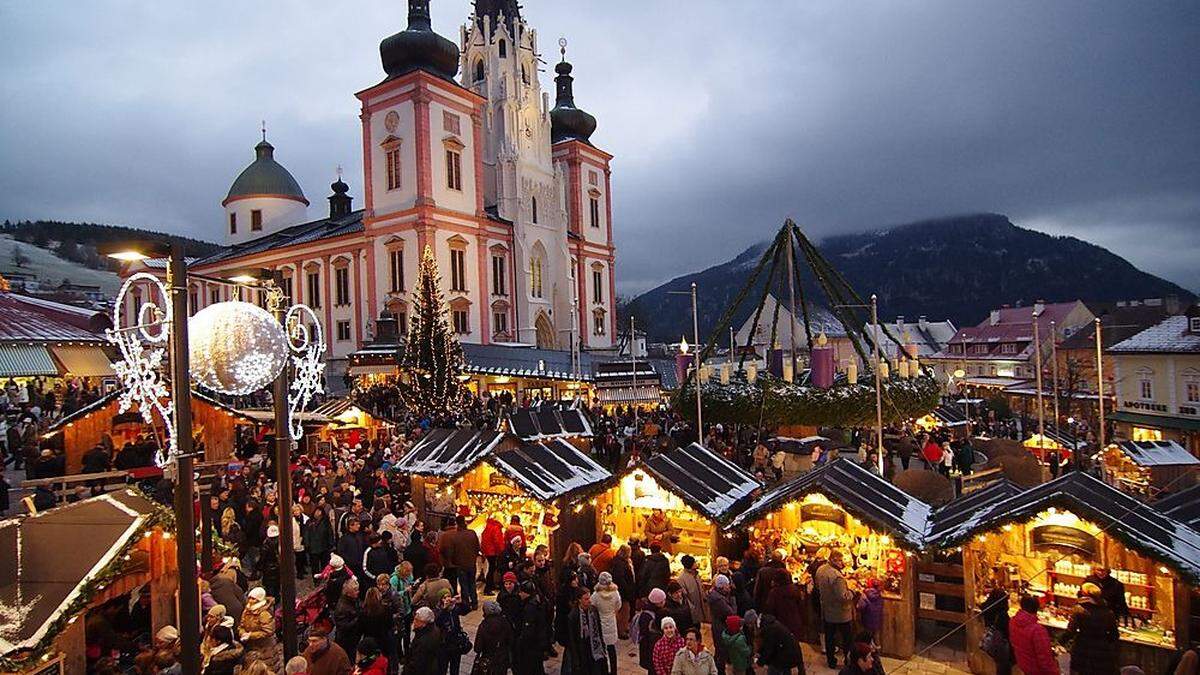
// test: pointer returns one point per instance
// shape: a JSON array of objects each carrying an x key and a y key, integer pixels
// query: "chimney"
[
  {"x": 1173, "y": 305},
  {"x": 1039, "y": 307},
  {"x": 923, "y": 322},
  {"x": 995, "y": 318},
  {"x": 900, "y": 323}
]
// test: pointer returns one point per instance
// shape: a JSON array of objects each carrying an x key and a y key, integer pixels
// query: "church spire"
[{"x": 566, "y": 121}]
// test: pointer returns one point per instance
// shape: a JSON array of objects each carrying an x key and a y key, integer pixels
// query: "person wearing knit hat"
[
  {"x": 336, "y": 561},
  {"x": 257, "y": 628},
  {"x": 657, "y": 596},
  {"x": 167, "y": 635},
  {"x": 734, "y": 646},
  {"x": 272, "y": 530},
  {"x": 493, "y": 640},
  {"x": 721, "y": 605},
  {"x": 733, "y": 623}
]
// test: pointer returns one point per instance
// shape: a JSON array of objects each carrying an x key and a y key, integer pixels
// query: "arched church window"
[
  {"x": 479, "y": 76},
  {"x": 533, "y": 208},
  {"x": 503, "y": 49},
  {"x": 535, "y": 276},
  {"x": 524, "y": 74}
]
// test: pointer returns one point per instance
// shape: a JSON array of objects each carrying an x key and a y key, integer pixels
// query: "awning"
[
  {"x": 628, "y": 394},
  {"x": 83, "y": 361},
  {"x": 1155, "y": 421},
  {"x": 26, "y": 360},
  {"x": 992, "y": 381}
]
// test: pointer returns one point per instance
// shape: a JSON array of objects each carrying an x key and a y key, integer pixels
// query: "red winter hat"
[
  {"x": 733, "y": 623},
  {"x": 509, "y": 576}
]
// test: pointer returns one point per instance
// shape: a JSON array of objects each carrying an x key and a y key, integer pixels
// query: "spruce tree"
[{"x": 432, "y": 361}]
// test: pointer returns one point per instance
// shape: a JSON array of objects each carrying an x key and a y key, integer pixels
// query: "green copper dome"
[{"x": 265, "y": 178}]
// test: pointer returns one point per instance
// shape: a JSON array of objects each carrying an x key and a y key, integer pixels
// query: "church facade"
[{"x": 464, "y": 153}]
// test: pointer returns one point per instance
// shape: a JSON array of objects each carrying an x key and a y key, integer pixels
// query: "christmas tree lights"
[{"x": 431, "y": 365}]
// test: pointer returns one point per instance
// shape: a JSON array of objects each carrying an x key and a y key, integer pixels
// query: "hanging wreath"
[{"x": 844, "y": 405}]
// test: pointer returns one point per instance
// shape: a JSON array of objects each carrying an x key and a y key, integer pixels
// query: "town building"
[
  {"x": 921, "y": 339},
  {"x": 462, "y": 153},
  {"x": 52, "y": 342},
  {"x": 999, "y": 352},
  {"x": 1157, "y": 378}
]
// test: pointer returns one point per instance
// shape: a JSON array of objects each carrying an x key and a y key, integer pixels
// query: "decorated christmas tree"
[{"x": 432, "y": 363}]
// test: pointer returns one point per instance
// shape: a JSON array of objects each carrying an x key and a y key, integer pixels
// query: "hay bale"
[
  {"x": 1024, "y": 470},
  {"x": 928, "y": 486}
]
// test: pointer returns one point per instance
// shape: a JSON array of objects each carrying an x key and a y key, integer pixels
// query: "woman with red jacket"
[
  {"x": 1030, "y": 641},
  {"x": 932, "y": 453},
  {"x": 491, "y": 545}
]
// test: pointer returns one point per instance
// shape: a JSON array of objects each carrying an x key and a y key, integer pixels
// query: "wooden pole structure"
[
  {"x": 878, "y": 382},
  {"x": 792, "y": 303},
  {"x": 1100, "y": 384},
  {"x": 283, "y": 489},
  {"x": 1054, "y": 366},
  {"x": 1037, "y": 359}
]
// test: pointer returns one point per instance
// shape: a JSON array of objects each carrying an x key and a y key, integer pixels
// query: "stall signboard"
[
  {"x": 1045, "y": 537},
  {"x": 497, "y": 479},
  {"x": 823, "y": 512}
]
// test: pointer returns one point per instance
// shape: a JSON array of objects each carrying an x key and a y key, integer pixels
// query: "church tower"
[
  {"x": 264, "y": 198},
  {"x": 521, "y": 183}
]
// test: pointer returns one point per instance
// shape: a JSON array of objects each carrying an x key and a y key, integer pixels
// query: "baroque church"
[{"x": 464, "y": 153}]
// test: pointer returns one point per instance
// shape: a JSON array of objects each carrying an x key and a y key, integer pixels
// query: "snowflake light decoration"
[
  {"x": 143, "y": 348},
  {"x": 307, "y": 350}
]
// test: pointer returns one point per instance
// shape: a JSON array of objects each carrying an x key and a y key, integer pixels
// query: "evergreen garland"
[
  {"x": 843, "y": 405},
  {"x": 432, "y": 363}
]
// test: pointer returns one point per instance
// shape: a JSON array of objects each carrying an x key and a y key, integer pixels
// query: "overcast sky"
[{"x": 1072, "y": 117}]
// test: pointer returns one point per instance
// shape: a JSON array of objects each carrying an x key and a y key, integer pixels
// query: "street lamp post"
[
  {"x": 1037, "y": 359},
  {"x": 695, "y": 360},
  {"x": 959, "y": 374}
]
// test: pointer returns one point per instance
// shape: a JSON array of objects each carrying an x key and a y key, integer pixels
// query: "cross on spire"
[
  {"x": 264, "y": 129},
  {"x": 562, "y": 47},
  {"x": 339, "y": 171}
]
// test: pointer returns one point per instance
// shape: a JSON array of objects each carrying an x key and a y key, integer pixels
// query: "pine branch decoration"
[{"x": 432, "y": 364}]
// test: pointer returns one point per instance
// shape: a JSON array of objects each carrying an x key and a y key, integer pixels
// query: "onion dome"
[
  {"x": 566, "y": 121},
  {"x": 265, "y": 178},
  {"x": 339, "y": 201},
  {"x": 418, "y": 47}
]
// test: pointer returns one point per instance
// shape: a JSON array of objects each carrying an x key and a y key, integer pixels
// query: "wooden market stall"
[
  {"x": 1041, "y": 445},
  {"x": 842, "y": 506},
  {"x": 214, "y": 424},
  {"x": 63, "y": 565},
  {"x": 1147, "y": 467},
  {"x": 1047, "y": 542},
  {"x": 350, "y": 424},
  {"x": 477, "y": 474},
  {"x": 693, "y": 489},
  {"x": 940, "y": 595},
  {"x": 551, "y": 421},
  {"x": 947, "y": 418}
]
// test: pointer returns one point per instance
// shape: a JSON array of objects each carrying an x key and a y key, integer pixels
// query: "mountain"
[{"x": 958, "y": 268}]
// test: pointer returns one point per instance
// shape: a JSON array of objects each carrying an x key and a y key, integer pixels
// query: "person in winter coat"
[
  {"x": 621, "y": 570},
  {"x": 448, "y": 619},
  {"x": 224, "y": 654},
  {"x": 586, "y": 571},
  {"x": 1092, "y": 634},
  {"x": 530, "y": 641},
  {"x": 345, "y": 617},
  {"x": 257, "y": 629},
  {"x": 562, "y": 607},
  {"x": 426, "y": 646},
  {"x": 493, "y": 641},
  {"x": 324, "y": 656},
  {"x": 371, "y": 660},
  {"x": 667, "y": 647},
  {"x": 994, "y": 613},
  {"x": 377, "y": 622},
  {"x": 607, "y": 601},
  {"x": 317, "y": 534},
  {"x": 870, "y": 607},
  {"x": 655, "y": 571},
  {"x": 336, "y": 578},
  {"x": 785, "y": 602},
  {"x": 860, "y": 661},
  {"x": 778, "y": 649},
  {"x": 721, "y": 606},
  {"x": 837, "y": 610},
  {"x": 352, "y": 547},
  {"x": 459, "y": 548},
  {"x": 602, "y": 553},
  {"x": 430, "y": 587},
  {"x": 514, "y": 554},
  {"x": 735, "y": 645},
  {"x": 694, "y": 659},
  {"x": 226, "y": 592},
  {"x": 586, "y": 648},
  {"x": 491, "y": 546},
  {"x": 268, "y": 562},
  {"x": 689, "y": 579},
  {"x": 1031, "y": 641},
  {"x": 509, "y": 599},
  {"x": 931, "y": 452}
]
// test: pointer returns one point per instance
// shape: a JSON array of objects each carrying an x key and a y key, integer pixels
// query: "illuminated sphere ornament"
[{"x": 236, "y": 347}]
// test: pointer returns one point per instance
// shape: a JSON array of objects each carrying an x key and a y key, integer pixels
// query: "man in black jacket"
[
  {"x": 530, "y": 633},
  {"x": 655, "y": 571},
  {"x": 779, "y": 649}
]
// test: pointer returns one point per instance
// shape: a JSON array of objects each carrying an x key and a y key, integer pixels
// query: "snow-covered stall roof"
[
  {"x": 950, "y": 416},
  {"x": 962, "y": 513},
  {"x": 449, "y": 453},
  {"x": 549, "y": 470},
  {"x": 1157, "y": 453},
  {"x": 1136, "y": 524},
  {"x": 548, "y": 421},
  {"x": 865, "y": 495},
  {"x": 703, "y": 479},
  {"x": 1183, "y": 506}
]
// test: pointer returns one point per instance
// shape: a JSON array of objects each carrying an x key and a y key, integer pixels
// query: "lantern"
[{"x": 236, "y": 347}]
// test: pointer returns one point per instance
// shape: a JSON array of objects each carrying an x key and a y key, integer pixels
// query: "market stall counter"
[
  {"x": 1052, "y": 539},
  {"x": 678, "y": 498},
  {"x": 841, "y": 506},
  {"x": 1145, "y": 468}
]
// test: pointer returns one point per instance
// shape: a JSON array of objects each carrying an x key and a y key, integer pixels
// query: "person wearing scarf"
[{"x": 588, "y": 654}]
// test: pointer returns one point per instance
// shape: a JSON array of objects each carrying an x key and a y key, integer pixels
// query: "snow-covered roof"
[
  {"x": 1169, "y": 336},
  {"x": 865, "y": 495},
  {"x": 449, "y": 453},
  {"x": 543, "y": 422},
  {"x": 1183, "y": 506},
  {"x": 1157, "y": 453},
  {"x": 550, "y": 470},
  {"x": 703, "y": 479},
  {"x": 962, "y": 513}
]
